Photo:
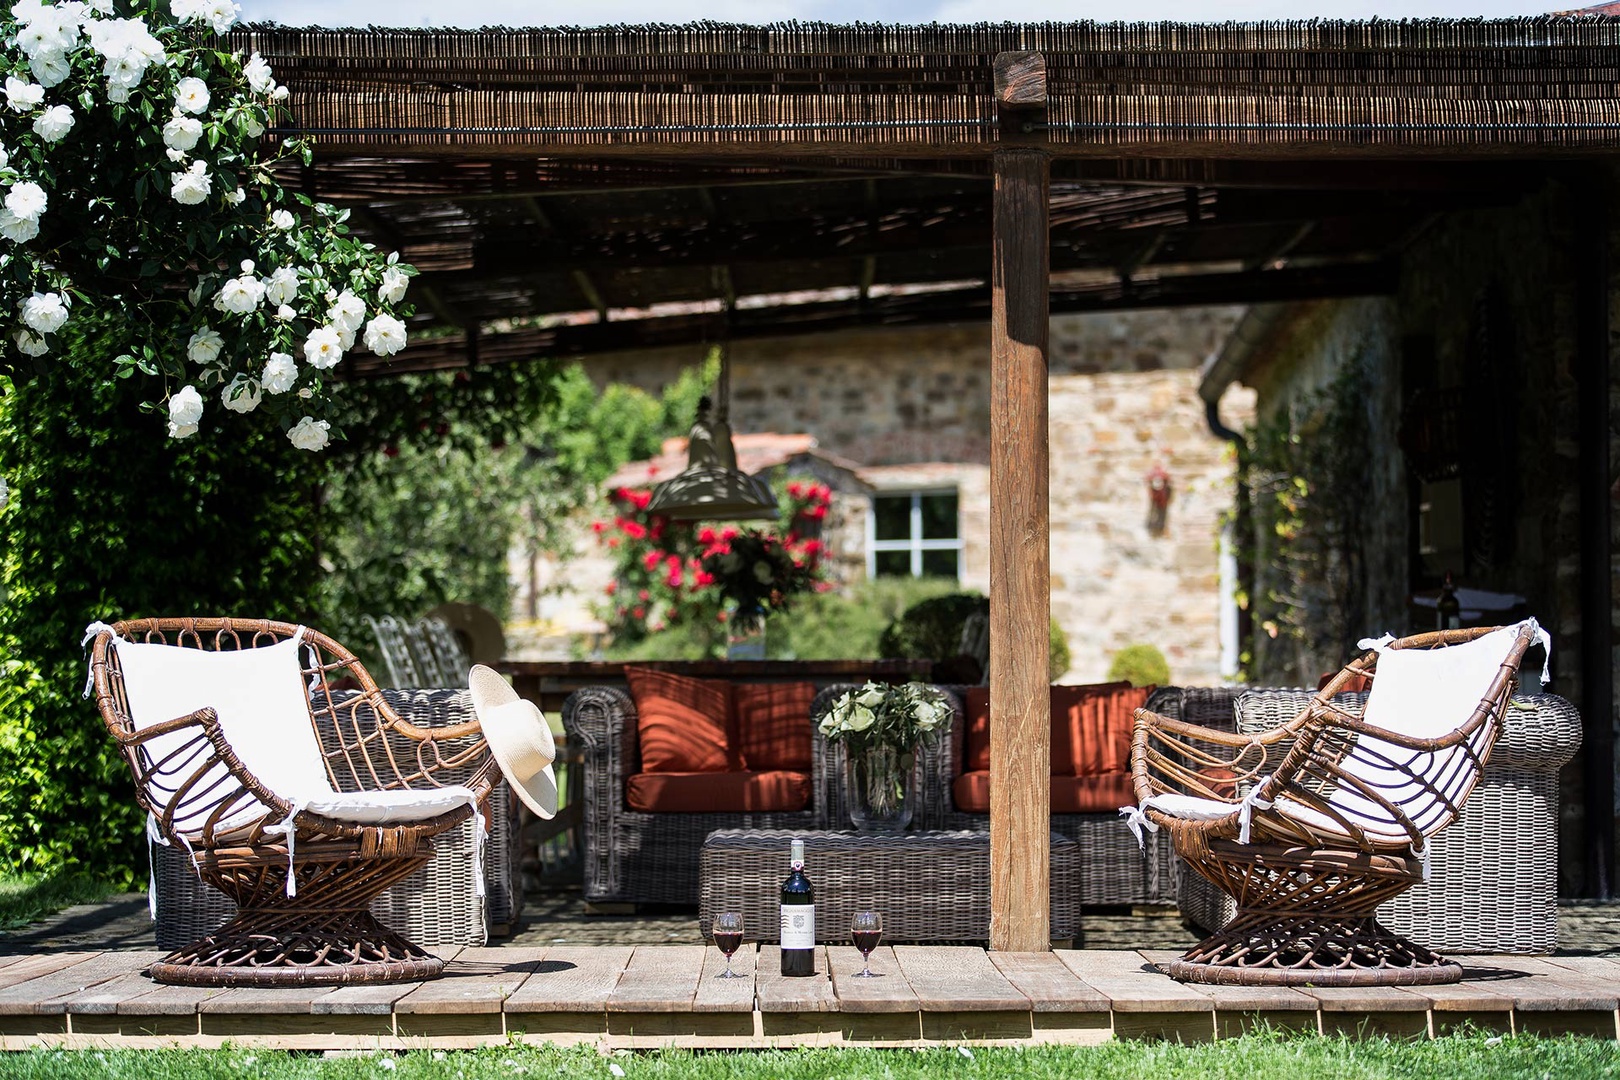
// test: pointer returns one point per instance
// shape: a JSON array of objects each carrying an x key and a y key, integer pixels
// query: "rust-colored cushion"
[
  {"x": 773, "y": 722},
  {"x": 718, "y": 793},
  {"x": 683, "y": 723},
  {"x": 1091, "y": 728},
  {"x": 1070, "y": 794},
  {"x": 1099, "y": 719}
]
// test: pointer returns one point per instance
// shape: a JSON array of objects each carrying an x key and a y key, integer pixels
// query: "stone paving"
[{"x": 558, "y": 917}]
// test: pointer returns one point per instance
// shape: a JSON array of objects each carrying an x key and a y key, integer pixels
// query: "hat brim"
[{"x": 516, "y": 735}]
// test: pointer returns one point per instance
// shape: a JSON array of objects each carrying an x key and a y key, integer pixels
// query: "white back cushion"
[
  {"x": 1426, "y": 694},
  {"x": 263, "y": 712}
]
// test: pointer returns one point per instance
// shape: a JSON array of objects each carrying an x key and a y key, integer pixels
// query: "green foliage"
[
  {"x": 1139, "y": 665},
  {"x": 1299, "y": 532},
  {"x": 932, "y": 630},
  {"x": 1472, "y": 1056},
  {"x": 105, "y": 522}
]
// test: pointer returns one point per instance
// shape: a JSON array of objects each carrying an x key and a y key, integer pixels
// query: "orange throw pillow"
[
  {"x": 976, "y": 740},
  {"x": 773, "y": 720},
  {"x": 718, "y": 793},
  {"x": 683, "y": 723}
]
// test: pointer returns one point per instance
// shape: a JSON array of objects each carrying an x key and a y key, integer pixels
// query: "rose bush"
[{"x": 137, "y": 192}]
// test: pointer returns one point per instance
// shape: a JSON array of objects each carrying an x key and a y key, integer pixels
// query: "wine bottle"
[
  {"x": 798, "y": 919},
  {"x": 1448, "y": 610}
]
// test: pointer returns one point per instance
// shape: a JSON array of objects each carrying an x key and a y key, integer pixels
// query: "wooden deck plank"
[
  {"x": 659, "y": 979},
  {"x": 777, "y": 994},
  {"x": 1240, "y": 998},
  {"x": 1366, "y": 999},
  {"x": 1130, "y": 983},
  {"x": 715, "y": 994},
  {"x": 957, "y": 978},
  {"x": 48, "y": 994},
  {"x": 1048, "y": 983},
  {"x": 374, "y": 999},
  {"x": 890, "y": 993},
  {"x": 265, "y": 1001},
  {"x": 478, "y": 980},
  {"x": 39, "y": 965},
  {"x": 572, "y": 979},
  {"x": 1548, "y": 986}
]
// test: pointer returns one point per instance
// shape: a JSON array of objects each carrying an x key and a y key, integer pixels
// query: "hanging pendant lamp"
[{"x": 711, "y": 487}]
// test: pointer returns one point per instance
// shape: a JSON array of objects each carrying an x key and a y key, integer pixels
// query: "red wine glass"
[
  {"x": 866, "y": 927},
  {"x": 728, "y": 934}
]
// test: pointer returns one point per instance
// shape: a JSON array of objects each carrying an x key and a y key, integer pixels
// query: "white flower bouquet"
[{"x": 899, "y": 717}]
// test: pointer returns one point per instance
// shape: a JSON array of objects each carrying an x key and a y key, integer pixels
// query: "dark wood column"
[{"x": 1020, "y": 558}]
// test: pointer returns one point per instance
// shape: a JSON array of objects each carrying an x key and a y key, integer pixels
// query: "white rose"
[
  {"x": 323, "y": 348},
  {"x": 31, "y": 344},
  {"x": 182, "y": 131},
  {"x": 385, "y": 335},
  {"x": 309, "y": 434},
  {"x": 251, "y": 126},
  {"x": 176, "y": 156},
  {"x": 44, "y": 312},
  {"x": 871, "y": 697},
  {"x": 258, "y": 74},
  {"x": 279, "y": 373},
  {"x": 283, "y": 219},
  {"x": 50, "y": 68},
  {"x": 185, "y": 10},
  {"x": 192, "y": 186},
  {"x": 191, "y": 95},
  {"x": 22, "y": 95},
  {"x": 204, "y": 347},
  {"x": 285, "y": 313},
  {"x": 54, "y": 123},
  {"x": 764, "y": 573},
  {"x": 185, "y": 412},
  {"x": 281, "y": 287},
  {"x": 27, "y": 200},
  {"x": 860, "y": 718},
  {"x": 829, "y": 723},
  {"x": 280, "y": 93},
  {"x": 19, "y": 229},
  {"x": 240, "y": 295},
  {"x": 241, "y": 395},
  {"x": 5, "y": 157},
  {"x": 221, "y": 14},
  {"x": 345, "y": 337},
  {"x": 347, "y": 312},
  {"x": 394, "y": 283},
  {"x": 306, "y": 392},
  {"x": 237, "y": 197}
]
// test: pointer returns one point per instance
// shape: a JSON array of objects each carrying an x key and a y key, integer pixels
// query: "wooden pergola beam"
[{"x": 1020, "y": 554}]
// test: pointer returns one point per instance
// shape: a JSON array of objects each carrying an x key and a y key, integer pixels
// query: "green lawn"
[
  {"x": 1250, "y": 1058},
  {"x": 25, "y": 898}
]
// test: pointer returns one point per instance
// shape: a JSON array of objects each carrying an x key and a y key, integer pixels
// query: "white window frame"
[{"x": 915, "y": 544}]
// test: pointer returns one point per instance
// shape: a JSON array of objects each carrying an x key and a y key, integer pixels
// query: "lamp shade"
[{"x": 711, "y": 487}]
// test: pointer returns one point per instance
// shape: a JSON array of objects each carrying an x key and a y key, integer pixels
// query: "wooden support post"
[{"x": 1020, "y": 558}]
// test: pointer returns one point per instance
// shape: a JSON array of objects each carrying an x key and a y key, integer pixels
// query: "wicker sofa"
[
  {"x": 1114, "y": 870},
  {"x": 651, "y": 857},
  {"x": 435, "y": 907},
  {"x": 1494, "y": 886}
]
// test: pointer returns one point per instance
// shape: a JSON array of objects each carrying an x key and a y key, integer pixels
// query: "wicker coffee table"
[{"x": 928, "y": 886}]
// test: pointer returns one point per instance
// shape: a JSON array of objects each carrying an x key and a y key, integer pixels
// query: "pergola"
[{"x": 576, "y": 191}]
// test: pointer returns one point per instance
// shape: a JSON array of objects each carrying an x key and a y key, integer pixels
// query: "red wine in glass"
[
  {"x": 728, "y": 935},
  {"x": 866, "y": 929},
  {"x": 728, "y": 943}
]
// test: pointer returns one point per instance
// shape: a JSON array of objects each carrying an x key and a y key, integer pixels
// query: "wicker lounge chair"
[
  {"x": 1314, "y": 824},
  {"x": 216, "y": 720}
]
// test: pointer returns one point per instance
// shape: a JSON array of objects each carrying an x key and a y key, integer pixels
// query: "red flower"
[
  {"x": 640, "y": 499},
  {"x": 673, "y": 580},
  {"x": 598, "y": 527},
  {"x": 612, "y": 587},
  {"x": 813, "y": 547},
  {"x": 816, "y": 513},
  {"x": 635, "y": 530},
  {"x": 703, "y": 578},
  {"x": 730, "y": 532},
  {"x": 643, "y": 596},
  {"x": 651, "y": 560},
  {"x": 707, "y": 535},
  {"x": 639, "y": 613},
  {"x": 796, "y": 490}
]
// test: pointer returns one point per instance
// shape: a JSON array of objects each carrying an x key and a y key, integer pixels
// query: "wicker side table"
[{"x": 928, "y": 886}]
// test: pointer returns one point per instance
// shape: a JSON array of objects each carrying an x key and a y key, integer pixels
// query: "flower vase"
[
  {"x": 745, "y": 633},
  {"x": 879, "y": 783}
]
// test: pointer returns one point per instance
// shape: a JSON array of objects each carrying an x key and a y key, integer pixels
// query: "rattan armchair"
[
  {"x": 301, "y": 867},
  {"x": 1313, "y": 824}
]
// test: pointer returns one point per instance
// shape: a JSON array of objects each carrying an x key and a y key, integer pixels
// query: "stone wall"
[{"x": 1123, "y": 398}]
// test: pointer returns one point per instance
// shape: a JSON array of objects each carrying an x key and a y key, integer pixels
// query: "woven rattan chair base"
[
  {"x": 327, "y": 948},
  {"x": 1264, "y": 949}
]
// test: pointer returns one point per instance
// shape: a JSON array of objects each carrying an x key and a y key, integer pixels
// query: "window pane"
[
  {"x": 893, "y": 564},
  {"x": 939, "y": 563},
  {"x": 939, "y": 517},
  {"x": 891, "y": 517}
]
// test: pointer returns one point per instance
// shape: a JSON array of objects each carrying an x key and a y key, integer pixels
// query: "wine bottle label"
[{"x": 798, "y": 926}]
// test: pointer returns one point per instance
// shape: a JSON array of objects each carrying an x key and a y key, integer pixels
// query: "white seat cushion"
[
  {"x": 263, "y": 713},
  {"x": 395, "y": 807},
  {"x": 1189, "y": 807}
]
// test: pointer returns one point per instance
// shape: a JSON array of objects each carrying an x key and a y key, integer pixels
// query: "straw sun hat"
[{"x": 518, "y": 737}]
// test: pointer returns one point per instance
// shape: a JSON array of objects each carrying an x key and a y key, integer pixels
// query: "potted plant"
[
  {"x": 881, "y": 728},
  {"x": 757, "y": 575}
]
